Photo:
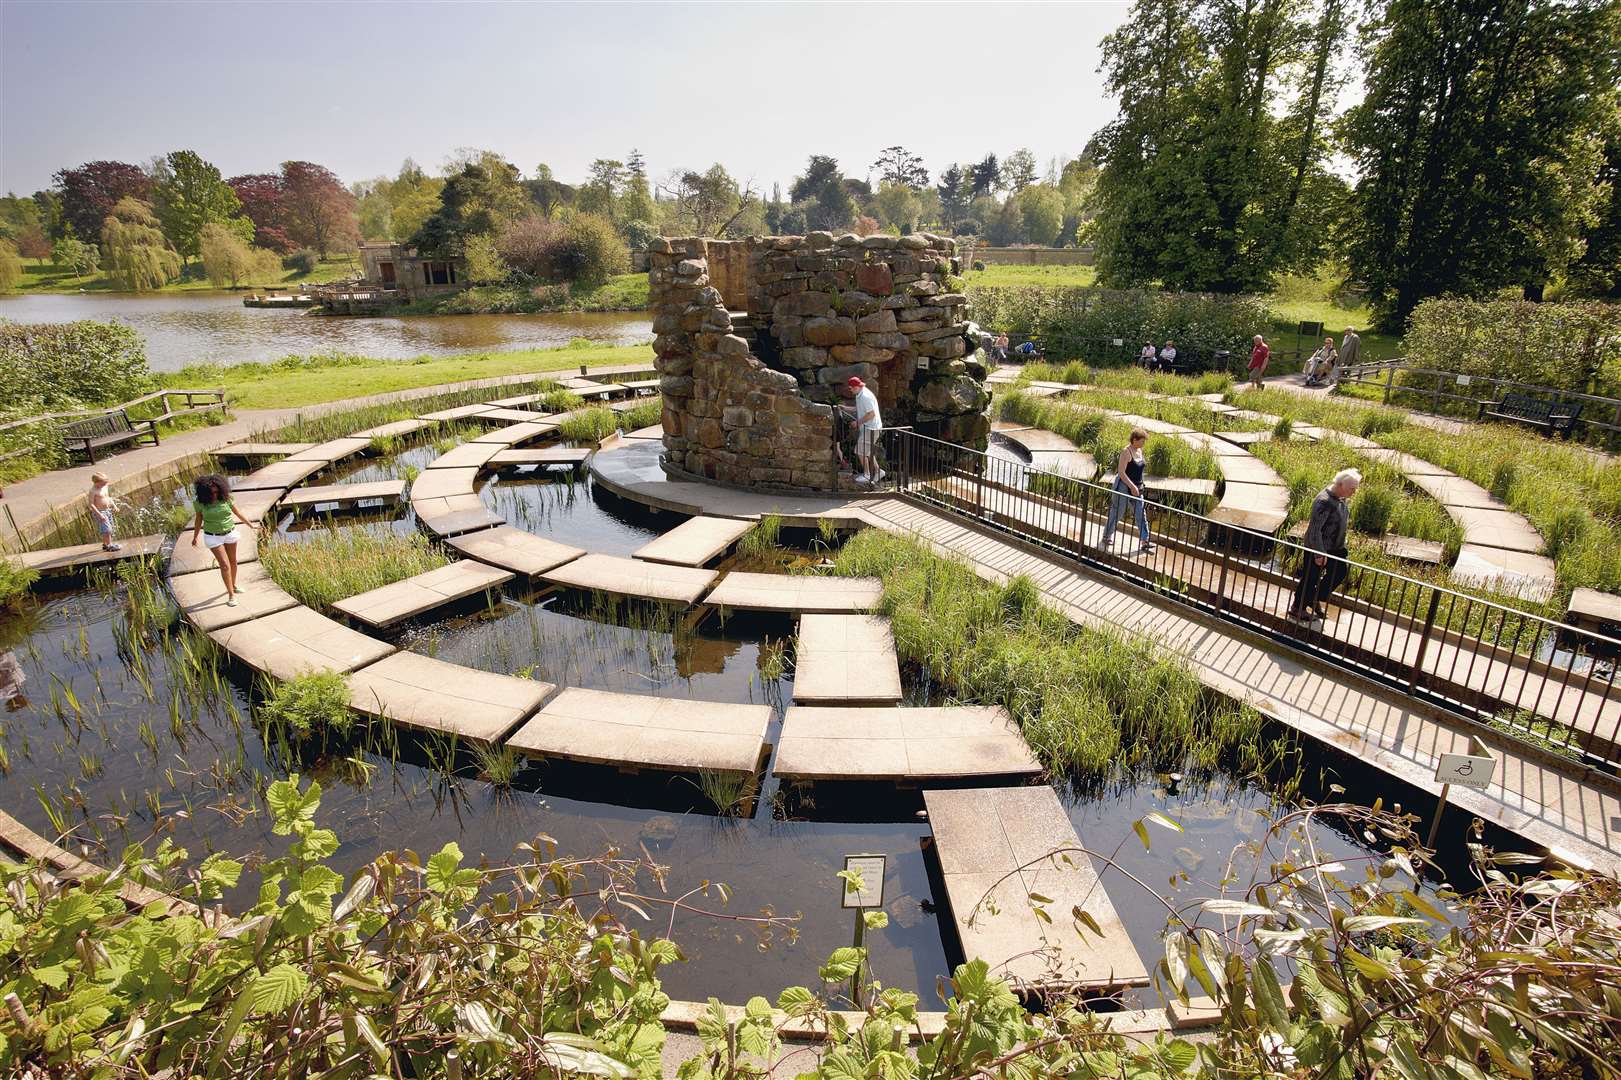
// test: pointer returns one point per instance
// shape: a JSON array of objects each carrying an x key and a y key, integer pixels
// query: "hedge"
[
  {"x": 59, "y": 367},
  {"x": 1083, "y": 323},
  {"x": 1573, "y": 346}
]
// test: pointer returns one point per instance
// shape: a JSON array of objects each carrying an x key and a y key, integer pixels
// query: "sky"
[{"x": 358, "y": 87}]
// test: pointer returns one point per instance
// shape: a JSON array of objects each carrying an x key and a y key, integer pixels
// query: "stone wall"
[{"x": 749, "y": 394}]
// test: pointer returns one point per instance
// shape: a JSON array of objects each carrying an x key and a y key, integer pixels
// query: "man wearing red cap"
[{"x": 868, "y": 423}]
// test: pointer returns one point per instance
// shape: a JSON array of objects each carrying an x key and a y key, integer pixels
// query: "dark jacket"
[{"x": 1330, "y": 518}]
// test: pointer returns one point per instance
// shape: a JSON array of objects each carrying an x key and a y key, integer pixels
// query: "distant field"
[
  {"x": 1052, "y": 277},
  {"x": 49, "y": 278}
]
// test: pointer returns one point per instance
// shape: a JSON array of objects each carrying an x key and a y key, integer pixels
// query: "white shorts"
[
  {"x": 866, "y": 441},
  {"x": 211, "y": 541}
]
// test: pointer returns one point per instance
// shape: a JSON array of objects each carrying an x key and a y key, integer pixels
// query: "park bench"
[
  {"x": 1556, "y": 416},
  {"x": 110, "y": 428}
]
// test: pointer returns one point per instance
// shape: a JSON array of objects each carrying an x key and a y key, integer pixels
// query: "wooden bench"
[
  {"x": 1558, "y": 417},
  {"x": 108, "y": 429}
]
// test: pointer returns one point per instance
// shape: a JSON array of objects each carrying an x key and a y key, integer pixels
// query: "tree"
[
  {"x": 986, "y": 177},
  {"x": 89, "y": 193},
  {"x": 1019, "y": 170},
  {"x": 898, "y": 207},
  {"x": 707, "y": 203},
  {"x": 635, "y": 166},
  {"x": 483, "y": 262},
  {"x": 261, "y": 196},
  {"x": 190, "y": 193},
  {"x": 1474, "y": 144},
  {"x": 229, "y": 261},
  {"x": 81, "y": 258},
  {"x": 11, "y": 267},
  {"x": 898, "y": 165},
  {"x": 319, "y": 211},
  {"x": 32, "y": 243},
  {"x": 481, "y": 198},
  {"x": 138, "y": 256},
  {"x": 1006, "y": 226},
  {"x": 1597, "y": 272},
  {"x": 600, "y": 192},
  {"x": 1041, "y": 209},
  {"x": 829, "y": 204},
  {"x": 549, "y": 193},
  {"x": 955, "y": 188}
]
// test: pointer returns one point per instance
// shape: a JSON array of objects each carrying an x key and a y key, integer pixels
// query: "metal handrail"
[
  {"x": 1381, "y": 374},
  {"x": 1516, "y": 669}
]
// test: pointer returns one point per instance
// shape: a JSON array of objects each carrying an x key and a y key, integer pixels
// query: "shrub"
[
  {"x": 312, "y": 704},
  {"x": 15, "y": 581},
  {"x": 302, "y": 261},
  {"x": 1571, "y": 346},
  {"x": 590, "y": 251},
  {"x": 63, "y": 366},
  {"x": 1371, "y": 509},
  {"x": 527, "y": 246},
  {"x": 978, "y": 265},
  {"x": 638, "y": 234},
  {"x": 228, "y": 260},
  {"x": 482, "y": 261}
]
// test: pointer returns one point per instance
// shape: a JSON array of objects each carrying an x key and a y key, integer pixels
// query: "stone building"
[
  {"x": 399, "y": 270},
  {"x": 755, "y": 337}
]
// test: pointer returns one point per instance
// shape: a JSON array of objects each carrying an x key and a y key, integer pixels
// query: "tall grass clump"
[
  {"x": 590, "y": 425},
  {"x": 762, "y": 539},
  {"x": 316, "y": 703},
  {"x": 1372, "y": 508},
  {"x": 558, "y": 399},
  {"x": 337, "y": 563},
  {"x": 644, "y": 413},
  {"x": 1089, "y": 701}
]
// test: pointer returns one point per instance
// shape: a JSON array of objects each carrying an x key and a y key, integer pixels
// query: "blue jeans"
[{"x": 1118, "y": 503}]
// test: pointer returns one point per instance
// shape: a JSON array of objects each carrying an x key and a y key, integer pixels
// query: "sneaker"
[
  {"x": 863, "y": 478},
  {"x": 112, "y": 547},
  {"x": 879, "y": 478},
  {"x": 230, "y": 601},
  {"x": 1147, "y": 549}
]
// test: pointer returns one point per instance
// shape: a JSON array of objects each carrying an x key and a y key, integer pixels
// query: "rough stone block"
[
  {"x": 880, "y": 242},
  {"x": 819, "y": 241},
  {"x": 912, "y": 243},
  {"x": 676, "y": 385},
  {"x": 875, "y": 278},
  {"x": 710, "y": 434},
  {"x": 833, "y": 376},
  {"x": 803, "y": 303},
  {"x": 893, "y": 342},
  {"x": 736, "y": 416},
  {"x": 861, "y": 354},
  {"x": 804, "y": 357},
  {"x": 835, "y": 331},
  {"x": 732, "y": 345},
  {"x": 877, "y": 322}
]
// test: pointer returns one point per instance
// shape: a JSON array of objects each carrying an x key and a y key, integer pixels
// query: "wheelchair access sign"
[{"x": 1466, "y": 770}]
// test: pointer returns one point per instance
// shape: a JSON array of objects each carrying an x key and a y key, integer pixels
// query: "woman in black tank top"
[{"x": 1128, "y": 493}]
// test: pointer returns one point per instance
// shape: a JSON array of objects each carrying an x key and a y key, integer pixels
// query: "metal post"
[
  {"x": 1424, "y": 642},
  {"x": 860, "y": 939},
  {"x": 1435, "y": 822},
  {"x": 1221, "y": 585}
]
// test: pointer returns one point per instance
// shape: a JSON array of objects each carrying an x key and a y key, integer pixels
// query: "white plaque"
[
  {"x": 870, "y": 868},
  {"x": 1465, "y": 770},
  {"x": 1465, "y": 380},
  {"x": 1119, "y": 341}
]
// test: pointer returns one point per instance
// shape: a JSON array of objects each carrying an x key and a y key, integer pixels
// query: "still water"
[{"x": 214, "y": 327}]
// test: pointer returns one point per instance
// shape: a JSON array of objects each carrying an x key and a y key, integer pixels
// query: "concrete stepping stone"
[
  {"x": 518, "y": 433},
  {"x": 334, "y": 449},
  {"x": 469, "y": 455},
  {"x": 941, "y": 743},
  {"x": 1258, "y": 507},
  {"x": 189, "y": 559},
  {"x": 1188, "y": 486},
  {"x": 460, "y": 412},
  {"x": 201, "y": 597},
  {"x": 1073, "y": 464},
  {"x": 344, "y": 494},
  {"x": 504, "y": 416},
  {"x": 399, "y": 429},
  {"x": 633, "y": 577},
  {"x": 253, "y": 450},
  {"x": 1405, "y": 463},
  {"x": 983, "y": 836},
  {"x": 805, "y": 593},
  {"x": 256, "y": 505},
  {"x": 653, "y": 432},
  {"x": 517, "y": 401},
  {"x": 572, "y": 456},
  {"x": 645, "y": 732},
  {"x": 298, "y": 641},
  {"x": 454, "y": 515},
  {"x": 279, "y": 475},
  {"x": 640, "y": 386},
  {"x": 1413, "y": 550},
  {"x": 52, "y": 562},
  {"x": 1452, "y": 491},
  {"x": 846, "y": 659},
  {"x": 1593, "y": 610},
  {"x": 1496, "y": 528},
  {"x": 1517, "y": 573},
  {"x": 417, "y": 691},
  {"x": 423, "y": 593},
  {"x": 695, "y": 541},
  {"x": 515, "y": 550},
  {"x": 442, "y": 483}
]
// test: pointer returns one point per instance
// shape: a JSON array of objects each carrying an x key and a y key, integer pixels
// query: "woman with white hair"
[{"x": 1322, "y": 565}]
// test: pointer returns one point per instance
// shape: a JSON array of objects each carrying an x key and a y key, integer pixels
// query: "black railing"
[{"x": 1537, "y": 680}]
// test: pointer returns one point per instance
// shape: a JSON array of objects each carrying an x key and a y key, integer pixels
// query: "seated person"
[
  {"x": 1322, "y": 363},
  {"x": 1027, "y": 350},
  {"x": 1146, "y": 357},
  {"x": 999, "y": 348},
  {"x": 1167, "y": 356}
]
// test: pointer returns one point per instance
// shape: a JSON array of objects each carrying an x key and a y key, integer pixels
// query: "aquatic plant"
[
  {"x": 730, "y": 792},
  {"x": 15, "y": 582},
  {"x": 316, "y": 703},
  {"x": 762, "y": 539},
  {"x": 497, "y": 765},
  {"x": 332, "y": 563},
  {"x": 645, "y": 413},
  {"x": 558, "y": 400},
  {"x": 588, "y": 425}
]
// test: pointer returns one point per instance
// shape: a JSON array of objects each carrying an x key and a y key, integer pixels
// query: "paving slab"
[
  {"x": 845, "y": 659},
  {"x": 256, "y": 505},
  {"x": 993, "y": 840},
  {"x": 344, "y": 494},
  {"x": 633, "y": 577},
  {"x": 423, "y": 593},
  {"x": 588, "y": 388},
  {"x": 469, "y": 455},
  {"x": 513, "y": 434},
  {"x": 640, "y": 386},
  {"x": 442, "y": 483},
  {"x": 278, "y": 475},
  {"x": 653, "y": 431},
  {"x": 460, "y": 412},
  {"x": 417, "y": 691},
  {"x": 504, "y": 416},
  {"x": 804, "y": 593},
  {"x": 1260, "y": 507},
  {"x": 517, "y": 401},
  {"x": 573, "y": 456},
  {"x": 186, "y": 558},
  {"x": 298, "y": 641},
  {"x": 642, "y": 731},
  {"x": 695, "y": 541},
  {"x": 261, "y": 449},
  {"x": 1189, "y": 486},
  {"x": 939, "y": 743},
  {"x": 1406, "y": 463},
  {"x": 454, "y": 515},
  {"x": 1411, "y": 549},
  {"x": 1496, "y": 528},
  {"x": 1517, "y": 573},
  {"x": 515, "y": 550},
  {"x": 1594, "y": 610},
  {"x": 396, "y": 430},
  {"x": 334, "y": 449},
  {"x": 49, "y": 562},
  {"x": 1246, "y": 468},
  {"x": 1456, "y": 491},
  {"x": 201, "y": 597}
]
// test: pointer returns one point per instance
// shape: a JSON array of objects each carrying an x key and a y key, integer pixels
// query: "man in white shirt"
[{"x": 864, "y": 407}]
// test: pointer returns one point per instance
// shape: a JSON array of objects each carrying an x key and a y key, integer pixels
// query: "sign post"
[
  {"x": 863, "y": 878},
  {"x": 1466, "y": 770}
]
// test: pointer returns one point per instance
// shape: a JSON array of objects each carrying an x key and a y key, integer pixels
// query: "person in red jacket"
[{"x": 1258, "y": 358}]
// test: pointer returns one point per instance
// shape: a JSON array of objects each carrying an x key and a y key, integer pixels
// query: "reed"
[
  {"x": 644, "y": 413},
  {"x": 588, "y": 425},
  {"x": 762, "y": 539},
  {"x": 330, "y": 564}
]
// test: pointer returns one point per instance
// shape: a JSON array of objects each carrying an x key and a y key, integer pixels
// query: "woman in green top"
[{"x": 216, "y": 519}]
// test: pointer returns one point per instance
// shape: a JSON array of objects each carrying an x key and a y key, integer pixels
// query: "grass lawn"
[
  {"x": 48, "y": 278},
  {"x": 1050, "y": 277},
  {"x": 622, "y": 292},
  {"x": 311, "y": 380}
]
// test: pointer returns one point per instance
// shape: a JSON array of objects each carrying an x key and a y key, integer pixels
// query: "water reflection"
[{"x": 214, "y": 327}]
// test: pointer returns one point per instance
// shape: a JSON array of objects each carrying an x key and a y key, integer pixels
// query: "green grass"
[
  {"x": 622, "y": 292},
  {"x": 311, "y": 380},
  {"x": 306, "y": 705},
  {"x": 1103, "y": 437},
  {"x": 590, "y": 425},
  {"x": 1051, "y": 277},
  {"x": 339, "y": 563},
  {"x": 645, "y": 413},
  {"x": 50, "y": 278},
  {"x": 1088, "y": 701}
]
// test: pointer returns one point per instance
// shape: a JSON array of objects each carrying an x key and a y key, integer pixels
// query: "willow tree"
[{"x": 137, "y": 255}]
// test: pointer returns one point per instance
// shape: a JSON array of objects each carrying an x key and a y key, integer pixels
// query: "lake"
[{"x": 214, "y": 327}]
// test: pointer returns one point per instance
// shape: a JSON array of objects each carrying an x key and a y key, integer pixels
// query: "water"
[{"x": 214, "y": 328}]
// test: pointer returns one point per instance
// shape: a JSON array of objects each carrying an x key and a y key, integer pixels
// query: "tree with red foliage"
[
  {"x": 318, "y": 211},
  {"x": 262, "y": 201},
  {"x": 90, "y": 192},
  {"x": 32, "y": 243}
]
